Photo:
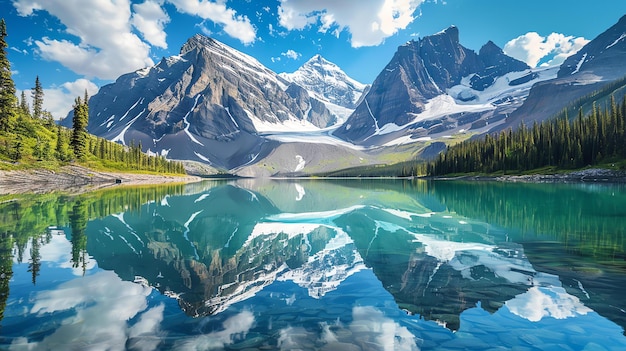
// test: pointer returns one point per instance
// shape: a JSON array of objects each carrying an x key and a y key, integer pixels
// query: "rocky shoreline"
[
  {"x": 595, "y": 175},
  {"x": 76, "y": 179},
  {"x": 592, "y": 175}
]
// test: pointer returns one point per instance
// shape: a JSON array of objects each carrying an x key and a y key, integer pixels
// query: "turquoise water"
[{"x": 316, "y": 265}]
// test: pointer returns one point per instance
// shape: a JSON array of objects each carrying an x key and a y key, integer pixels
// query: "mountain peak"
[
  {"x": 198, "y": 41},
  {"x": 320, "y": 60},
  {"x": 489, "y": 48},
  {"x": 452, "y": 32},
  {"x": 317, "y": 57},
  {"x": 329, "y": 82}
]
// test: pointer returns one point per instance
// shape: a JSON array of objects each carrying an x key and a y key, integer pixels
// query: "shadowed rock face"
[{"x": 419, "y": 71}]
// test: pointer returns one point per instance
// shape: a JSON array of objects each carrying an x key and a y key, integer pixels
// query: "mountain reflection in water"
[{"x": 314, "y": 264}]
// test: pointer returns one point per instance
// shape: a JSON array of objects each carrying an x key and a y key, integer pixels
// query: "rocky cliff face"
[
  {"x": 206, "y": 104},
  {"x": 420, "y": 71}
]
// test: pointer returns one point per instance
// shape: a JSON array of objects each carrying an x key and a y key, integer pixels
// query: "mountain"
[
  {"x": 219, "y": 107},
  {"x": 593, "y": 67},
  {"x": 207, "y": 104},
  {"x": 328, "y": 83},
  {"x": 436, "y": 85}
]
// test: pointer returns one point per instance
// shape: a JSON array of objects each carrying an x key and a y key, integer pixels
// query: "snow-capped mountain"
[
  {"x": 435, "y": 85},
  {"x": 327, "y": 82},
  {"x": 218, "y": 106},
  {"x": 206, "y": 104}
]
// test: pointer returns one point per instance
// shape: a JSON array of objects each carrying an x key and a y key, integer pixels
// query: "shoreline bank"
[
  {"x": 77, "y": 179},
  {"x": 592, "y": 175}
]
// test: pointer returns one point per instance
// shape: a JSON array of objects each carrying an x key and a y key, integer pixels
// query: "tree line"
[
  {"x": 31, "y": 136},
  {"x": 599, "y": 137}
]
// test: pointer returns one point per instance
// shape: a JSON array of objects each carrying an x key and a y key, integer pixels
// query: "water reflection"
[{"x": 314, "y": 264}]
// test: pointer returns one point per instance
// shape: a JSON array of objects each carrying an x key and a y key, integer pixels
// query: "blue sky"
[{"x": 75, "y": 45}]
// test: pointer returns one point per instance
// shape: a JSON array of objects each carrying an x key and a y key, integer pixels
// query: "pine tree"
[
  {"x": 7, "y": 87},
  {"x": 79, "y": 134},
  {"x": 60, "y": 154},
  {"x": 37, "y": 94},
  {"x": 24, "y": 109}
]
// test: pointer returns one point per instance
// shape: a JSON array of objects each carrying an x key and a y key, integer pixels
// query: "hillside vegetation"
[
  {"x": 29, "y": 137},
  {"x": 556, "y": 144}
]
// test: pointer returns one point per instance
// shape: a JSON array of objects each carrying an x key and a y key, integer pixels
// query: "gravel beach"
[{"x": 77, "y": 179}]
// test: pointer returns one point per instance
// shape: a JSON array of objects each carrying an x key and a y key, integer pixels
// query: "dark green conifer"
[
  {"x": 79, "y": 133},
  {"x": 37, "y": 94},
  {"x": 7, "y": 87}
]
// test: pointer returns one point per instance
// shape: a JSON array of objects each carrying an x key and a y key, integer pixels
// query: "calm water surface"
[{"x": 316, "y": 265}]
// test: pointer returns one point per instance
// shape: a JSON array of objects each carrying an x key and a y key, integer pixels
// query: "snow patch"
[
  {"x": 231, "y": 117},
  {"x": 501, "y": 88},
  {"x": 202, "y": 157},
  {"x": 142, "y": 73},
  {"x": 580, "y": 63},
  {"x": 292, "y": 124},
  {"x": 132, "y": 107},
  {"x": 187, "y": 122},
  {"x": 301, "y": 163},
  {"x": 617, "y": 40},
  {"x": 320, "y": 136},
  {"x": 120, "y": 137}
]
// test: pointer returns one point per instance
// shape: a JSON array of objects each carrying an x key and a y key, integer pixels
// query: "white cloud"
[
  {"x": 150, "y": 19},
  {"x": 369, "y": 326},
  {"x": 291, "y": 54},
  {"x": 236, "y": 326},
  {"x": 102, "y": 304},
  {"x": 552, "y": 50},
  {"x": 237, "y": 26},
  {"x": 540, "y": 302},
  {"x": 23, "y": 51},
  {"x": 383, "y": 331},
  {"x": 107, "y": 48},
  {"x": 58, "y": 100},
  {"x": 368, "y": 21}
]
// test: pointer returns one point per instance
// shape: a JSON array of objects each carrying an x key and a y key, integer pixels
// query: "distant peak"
[
  {"x": 320, "y": 61},
  {"x": 490, "y": 43},
  {"x": 198, "y": 41},
  {"x": 490, "y": 47},
  {"x": 452, "y": 32},
  {"x": 318, "y": 58}
]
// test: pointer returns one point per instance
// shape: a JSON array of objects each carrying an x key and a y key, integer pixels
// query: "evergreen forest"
[{"x": 559, "y": 143}]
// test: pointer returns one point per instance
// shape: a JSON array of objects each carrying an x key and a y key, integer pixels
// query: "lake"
[{"x": 316, "y": 265}]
